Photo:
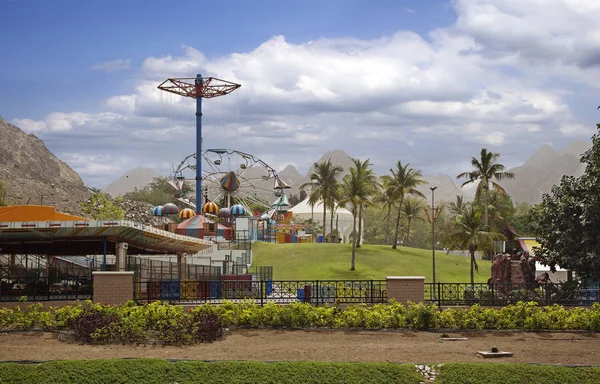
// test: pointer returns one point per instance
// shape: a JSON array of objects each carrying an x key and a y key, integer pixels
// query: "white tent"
[{"x": 343, "y": 217}]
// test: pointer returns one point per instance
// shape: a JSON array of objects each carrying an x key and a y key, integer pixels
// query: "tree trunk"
[
  {"x": 324, "y": 220},
  {"x": 360, "y": 212},
  {"x": 398, "y": 223},
  {"x": 331, "y": 226},
  {"x": 472, "y": 250},
  {"x": 407, "y": 236},
  {"x": 387, "y": 226},
  {"x": 353, "y": 242},
  {"x": 485, "y": 206}
]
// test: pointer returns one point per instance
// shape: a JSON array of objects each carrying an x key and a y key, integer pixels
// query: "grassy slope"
[
  {"x": 481, "y": 373},
  {"x": 332, "y": 261},
  {"x": 150, "y": 371}
]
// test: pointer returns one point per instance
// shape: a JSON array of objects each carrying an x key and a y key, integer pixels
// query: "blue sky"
[
  {"x": 430, "y": 82},
  {"x": 62, "y": 41}
]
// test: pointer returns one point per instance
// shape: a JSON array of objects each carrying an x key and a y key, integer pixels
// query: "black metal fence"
[
  {"x": 316, "y": 292},
  {"x": 19, "y": 288},
  {"x": 567, "y": 293}
]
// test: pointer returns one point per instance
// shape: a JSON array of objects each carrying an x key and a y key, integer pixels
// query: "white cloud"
[
  {"x": 434, "y": 102},
  {"x": 112, "y": 66},
  {"x": 30, "y": 126}
]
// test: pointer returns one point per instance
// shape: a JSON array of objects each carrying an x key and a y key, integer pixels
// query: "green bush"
[
  {"x": 154, "y": 371},
  {"x": 170, "y": 324},
  {"x": 479, "y": 373}
]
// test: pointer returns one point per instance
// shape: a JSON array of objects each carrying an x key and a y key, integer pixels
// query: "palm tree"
[
  {"x": 354, "y": 193},
  {"x": 368, "y": 181},
  {"x": 323, "y": 185},
  {"x": 403, "y": 181},
  {"x": 457, "y": 207},
  {"x": 386, "y": 198},
  {"x": 486, "y": 170},
  {"x": 471, "y": 233},
  {"x": 500, "y": 208},
  {"x": 412, "y": 210}
]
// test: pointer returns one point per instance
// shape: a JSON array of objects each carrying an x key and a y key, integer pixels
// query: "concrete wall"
[
  {"x": 113, "y": 287},
  {"x": 406, "y": 288}
]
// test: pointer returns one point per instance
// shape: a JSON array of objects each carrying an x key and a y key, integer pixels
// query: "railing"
[
  {"x": 46, "y": 289},
  {"x": 316, "y": 292},
  {"x": 568, "y": 293}
]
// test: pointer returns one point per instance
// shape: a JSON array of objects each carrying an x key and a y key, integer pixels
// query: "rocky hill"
[
  {"x": 544, "y": 169},
  {"x": 33, "y": 175},
  {"x": 135, "y": 178}
]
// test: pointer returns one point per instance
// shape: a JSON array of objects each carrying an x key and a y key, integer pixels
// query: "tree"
[
  {"x": 457, "y": 206},
  {"x": 403, "y": 181},
  {"x": 412, "y": 209},
  {"x": 323, "y": 185},
  {"x": 369, "y": 185},
  {"x": 500, "y": 208},
  {"x": 470, "y": 233},
  {"x": 353, "y": 192},
  {"x": 386, "y": 198},
  {"x": 101, "y": 206},
  {"x": 522, "y": 219},
  {"x": 3, "y": 193},
  {"x": 158, "y": 192},
  {"x": 567, "y": 220},
  {"x": 296, "y": 199},
  {"x": 485, "y": 171}
]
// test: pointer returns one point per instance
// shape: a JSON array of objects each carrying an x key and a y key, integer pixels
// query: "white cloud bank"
[{"x": 496, "y": 78}]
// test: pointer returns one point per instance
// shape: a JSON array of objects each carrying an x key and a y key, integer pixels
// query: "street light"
[{"x": 435, "y": 212}]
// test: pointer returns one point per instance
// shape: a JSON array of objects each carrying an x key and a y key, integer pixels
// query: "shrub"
[
  {"x": 92, "y": 325},
  {"x": 207, "y": 327}
]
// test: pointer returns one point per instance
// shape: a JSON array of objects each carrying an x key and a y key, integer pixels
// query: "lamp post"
[{"x": 433, "y": 217}]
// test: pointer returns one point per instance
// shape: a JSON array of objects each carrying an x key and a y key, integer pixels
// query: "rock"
[
  {"x": 515, "y": 268},
  {"x": 141, "y": 212},
  {"x": 33, "y": 175}
]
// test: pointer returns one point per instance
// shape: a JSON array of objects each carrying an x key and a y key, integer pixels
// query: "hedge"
[
  {"x": 170, "y": 324},
  {"x": 481, "y": 373},
  {"x": 150, "y": 371}
]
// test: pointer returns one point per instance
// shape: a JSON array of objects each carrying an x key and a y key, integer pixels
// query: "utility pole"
[{"x": 433, "y": 218}]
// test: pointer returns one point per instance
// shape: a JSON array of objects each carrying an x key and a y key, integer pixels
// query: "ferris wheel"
[{"x": 230, "y": 177}]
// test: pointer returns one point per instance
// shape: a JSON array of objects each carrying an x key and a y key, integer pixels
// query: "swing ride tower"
[{"x": 198, "y": 88}]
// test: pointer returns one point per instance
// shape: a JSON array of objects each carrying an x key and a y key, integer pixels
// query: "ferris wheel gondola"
[{"x": 230, "y": 177}]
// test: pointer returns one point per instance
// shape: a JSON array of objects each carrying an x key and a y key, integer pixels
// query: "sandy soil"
[{"x": 276, "y": 345}]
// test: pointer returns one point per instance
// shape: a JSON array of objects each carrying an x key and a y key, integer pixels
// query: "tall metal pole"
[
  {"x": 199, "y": 84},
  {"x": 433, "y": 234}
]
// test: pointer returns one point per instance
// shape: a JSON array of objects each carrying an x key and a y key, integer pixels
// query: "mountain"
[
  {"x": 544, "y": 169},
  {"x": 33, "y": 175},
  {"x": 337, "y": 157},
  {"x": 291, "y": 176},
  {"x": 135, "y": 178},
  {"x": 446, "y": 189}
]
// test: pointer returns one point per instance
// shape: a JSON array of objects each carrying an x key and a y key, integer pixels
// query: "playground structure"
[{"x": 40, "y": 249}]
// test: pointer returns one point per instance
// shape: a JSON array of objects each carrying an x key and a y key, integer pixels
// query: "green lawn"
[
  {"x": 482, "y": 373},
  {"x": 155, "y": 371},
  {"x": 332, "y": 261}
]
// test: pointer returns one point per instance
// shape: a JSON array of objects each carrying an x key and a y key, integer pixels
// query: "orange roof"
[{"x": 34, "y": 213}]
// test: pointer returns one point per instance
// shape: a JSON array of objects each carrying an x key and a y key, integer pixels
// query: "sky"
[{"x": 425, "y": 82}]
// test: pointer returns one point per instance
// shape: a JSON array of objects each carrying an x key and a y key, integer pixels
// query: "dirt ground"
[{"x": 279, "y": 345}]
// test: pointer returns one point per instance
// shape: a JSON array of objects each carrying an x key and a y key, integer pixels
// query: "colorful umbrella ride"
[
  {"x": 237, "y": 210},
  {"x": 224, "y": 213},
  {"x": 211, "y": 208},
  {"x": 157, "y": 211},
  {"x": 170, "y": 209},
  {"x": 186, "y": 213}
]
